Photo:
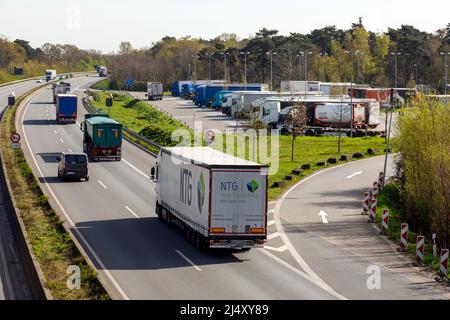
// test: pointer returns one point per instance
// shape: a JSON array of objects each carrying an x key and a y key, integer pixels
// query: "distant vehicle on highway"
[
  {"x": 102, "y": 138},
  {"x": 66, "y": 108},
  {"x": 73, "y": 166},
  {"x": 40, "y": 81},
  {"x": 219, "y": 200},
  {"x": 50, "y": 75}
]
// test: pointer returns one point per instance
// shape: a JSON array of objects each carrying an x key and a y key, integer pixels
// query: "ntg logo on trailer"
[
  {"x": 201, "y": 192},
  {"x": 238, "y": 186}
]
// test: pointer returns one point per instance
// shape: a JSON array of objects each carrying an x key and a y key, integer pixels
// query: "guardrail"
[{"x": 140, "y": 139}]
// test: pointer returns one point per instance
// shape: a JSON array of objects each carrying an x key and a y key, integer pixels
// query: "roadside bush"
[{"x": 424, "y": 167}]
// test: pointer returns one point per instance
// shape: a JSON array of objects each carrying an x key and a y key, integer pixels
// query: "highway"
[
  {"x": 137, "y": 256},
  {"x": 13, "y": 282}
]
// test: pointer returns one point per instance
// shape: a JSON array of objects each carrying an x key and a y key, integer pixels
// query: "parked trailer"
[
  {"x": 66, "y": 108},
  {"x": 220, "y": 201},
  {"x": 155, "y": 91},
  {"x": 102, "y": 138}
]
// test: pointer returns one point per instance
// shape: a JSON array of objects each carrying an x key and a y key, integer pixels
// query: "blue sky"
[{"x": 103, "y": 24}]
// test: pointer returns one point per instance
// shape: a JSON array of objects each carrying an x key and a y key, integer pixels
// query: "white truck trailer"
[
  {"x": 155, "y": 91},
  {"x": 220, "y": 201}
]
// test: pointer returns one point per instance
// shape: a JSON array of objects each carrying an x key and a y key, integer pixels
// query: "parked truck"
[
  {"x": 50, "y": 75},
  {"x": 102, "y": 138},
  {"x": 155, "y": 91},
  {"x": 220, "y": 201},
  {"x": 66, "y": 108}
]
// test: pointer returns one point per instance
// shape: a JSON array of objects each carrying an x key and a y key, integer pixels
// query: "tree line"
[
  {"x": 34, "y": 61},
  {"x": 333, "y": 55}
]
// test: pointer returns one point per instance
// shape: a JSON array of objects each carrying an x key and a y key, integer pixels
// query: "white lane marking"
[
  {"x": 70, "y": 150},
  {"x": 69, "y": 220},
  {"x": 135, "y": 169},
  {"x": 355, "y": 174},
  {"x": 188, "y": 260},
  {"x": 56, "y": 132},
  {"x": 132, "y": 212},
  {"x": 271, "y": 211},
  {"x": 273, "y": 236},
  {"x": 103, "y": 185},
  {"x": 61, "y": 140},
  {"x": 51, "y": 126},
  {"x": 280, "y": 249},
  {"x": 297, "y": 271},
  {"x": 270, "y": 223},
  {"x": 297, "y": 257},
  {"x": 324, "y": 216}
]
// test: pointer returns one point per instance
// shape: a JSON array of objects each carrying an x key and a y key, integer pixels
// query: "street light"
[
  {"x": 245, "y": 54},
  {"x": 194, "y": 74},
  {"x": 305, "y": 54},
  {"x": 299, "y": 56},
  {"x": 271, "y": 54},
  {"x": 225, "y": 54},
  {"x": 351, "y": 54},
  {"x": 359, "y": 54},
  {"x": 396, "y": 55},
  {"x": 323, "y": 55},
  {"x": 445, "y": 55},
  {"x": 209, "y": 55}
]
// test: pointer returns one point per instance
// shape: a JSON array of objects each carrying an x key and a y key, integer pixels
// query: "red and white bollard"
[
  {"x": 420, "y": 246},
  {"x": 375, "y": 190},
  {"x": 373, "y": 209},
  {"x": 385, "y": 222},
  {"x": 444, "y": 262},
  {"x": 404, "y": 237},
  {"x": 366, "y": 203},
  {"x": 381, "y": 180}
]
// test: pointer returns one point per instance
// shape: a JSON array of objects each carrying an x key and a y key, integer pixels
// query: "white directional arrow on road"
[
  {"x": 355, "y": 174},
  {"x": 324, "y": 216}
]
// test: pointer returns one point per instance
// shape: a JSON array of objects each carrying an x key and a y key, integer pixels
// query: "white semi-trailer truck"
[
  {"x": 50, "y": 75},
  {"x": 220, "y": 201}
]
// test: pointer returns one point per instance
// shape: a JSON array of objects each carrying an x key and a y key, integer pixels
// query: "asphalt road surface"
[
  {"x": 136, "y": 255},
  {"x": 345, "y": 250}
]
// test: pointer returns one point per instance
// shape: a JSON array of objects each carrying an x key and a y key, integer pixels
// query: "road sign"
[
  {"x": 15, "y": 145},
  {"x": 209, "y": 137},
  {"x": 129, "y": 82},
  {"x": 15, "y": 138}
]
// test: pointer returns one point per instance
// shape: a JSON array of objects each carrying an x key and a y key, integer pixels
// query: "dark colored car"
[{"x": 73, "y": 166}]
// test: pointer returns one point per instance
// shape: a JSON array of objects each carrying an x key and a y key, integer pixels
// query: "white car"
[{"x": 40, "y": 81}]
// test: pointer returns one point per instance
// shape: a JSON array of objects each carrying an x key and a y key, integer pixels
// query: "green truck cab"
[{"x": 102, "y": 138}]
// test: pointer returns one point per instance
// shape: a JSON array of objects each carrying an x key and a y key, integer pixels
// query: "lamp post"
[
  {"x": 225, "y": 54},
  {"x": 351, "y": 54},
  {"x": 299, "y": 56},
  {"x": 445, "y": 56},
  {"x": 305, "y": 54},
  {"x": 396, "y": 55},
  {"x": 359, "y": 54},
  {"x": 415, "y": 74},
  {"x": 194, "y": 73},
  {"x": 323, "y": 55},
  {"x": 245, "y": 54},
  {"x": 271, "y": 54},
  {"x": 209, "y": 55}
]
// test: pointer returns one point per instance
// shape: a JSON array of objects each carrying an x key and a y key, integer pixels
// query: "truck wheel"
[
  {"x": 169, "y": 219},
  {"x": 246, "y": 249},
  {"x": 198, "y": 241}
]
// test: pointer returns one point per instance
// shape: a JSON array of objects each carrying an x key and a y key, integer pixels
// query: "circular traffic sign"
[
  {"x": 15, "y": 138},
  {"x": 209, "y": 136}
]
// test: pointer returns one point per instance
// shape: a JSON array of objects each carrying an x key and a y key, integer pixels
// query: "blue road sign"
[{"x": 129, "y": 82}]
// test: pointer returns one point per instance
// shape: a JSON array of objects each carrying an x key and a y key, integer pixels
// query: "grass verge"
[
  {"x": 51, "y": 244},
  {"x": 391, "y": 200},
  {"x": 157, "y": 126}
]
